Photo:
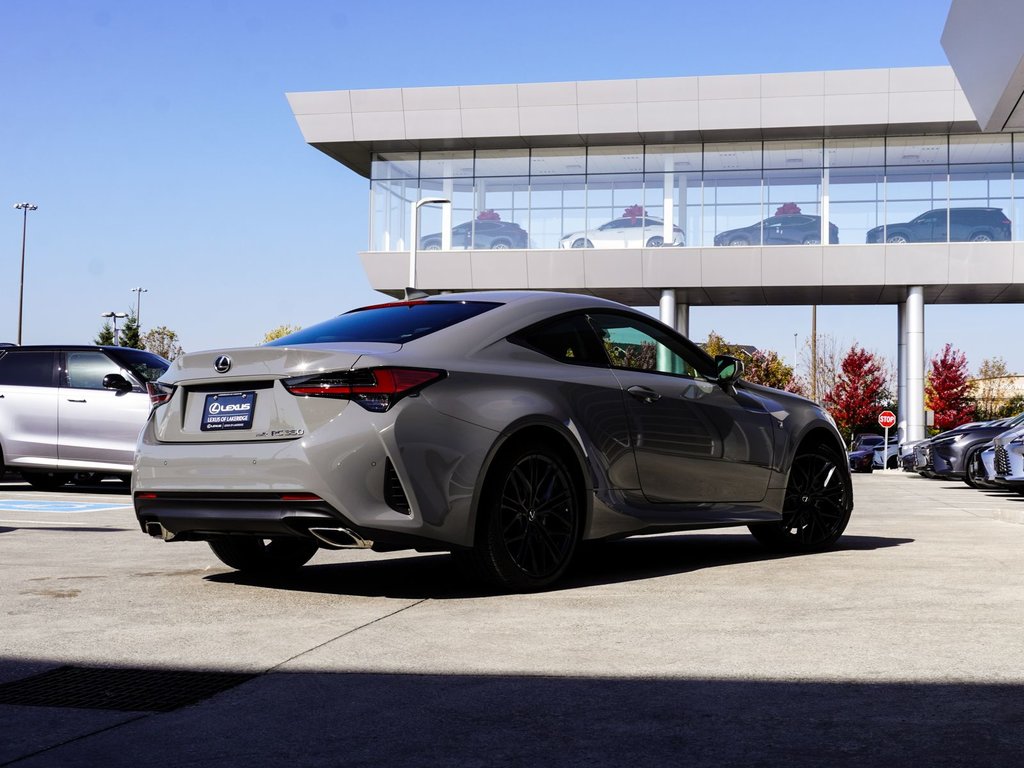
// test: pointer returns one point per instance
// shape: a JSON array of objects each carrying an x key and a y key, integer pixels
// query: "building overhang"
[
  {"x": 350, "y": 126},
  {"x": 982, "y": 40}
]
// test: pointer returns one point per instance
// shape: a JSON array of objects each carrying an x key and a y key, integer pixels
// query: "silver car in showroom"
[{"x": 504, "y": 427}]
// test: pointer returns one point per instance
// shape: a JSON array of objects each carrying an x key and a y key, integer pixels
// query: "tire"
[
  {"x": 581, "y": 242},
  {"x": 816, "y": 511},
  {"x": 897, "y": 238},
  {"x": 500, "y": 245},
  {"x": 46, "y": 481},
  {"x": 433, "y": 245},
  {"x": 812, "y": 240},
  {"x": 529, "y": 521},
  {"x": 655, "y": 242},
  {"x": 739, "y": 240},
  {"x": 263, "y": 557},
  {"x": 973, "y": 473},
  {"x": 892, "y": 463},
  {"x": 981, "y": 237}
]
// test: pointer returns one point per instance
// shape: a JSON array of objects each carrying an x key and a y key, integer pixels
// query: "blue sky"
[{"x": 158, "y": 143}]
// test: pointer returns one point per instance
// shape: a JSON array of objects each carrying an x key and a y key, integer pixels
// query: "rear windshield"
[
  {"x": 387, "y": 323},
  {"x": 145, "y": 366}
]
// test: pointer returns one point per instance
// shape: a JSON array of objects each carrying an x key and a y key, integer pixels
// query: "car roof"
[{"x": 65, "y": 348}]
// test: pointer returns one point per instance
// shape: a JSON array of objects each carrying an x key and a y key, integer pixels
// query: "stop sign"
[{"x": 887, "y": 419}]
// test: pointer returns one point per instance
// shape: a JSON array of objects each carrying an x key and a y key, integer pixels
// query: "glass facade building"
[{"x": 934, "y": 188}]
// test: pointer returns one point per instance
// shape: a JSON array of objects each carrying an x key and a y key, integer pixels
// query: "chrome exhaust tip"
[
  {"x": 157, "y": 530},
  {"x": 341, "y": 538}
]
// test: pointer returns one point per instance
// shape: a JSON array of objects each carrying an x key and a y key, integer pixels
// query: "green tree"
[
  {"x": 281, "y": 330},
  {"x": 767, "y": 368},
  {"x": 162, "y": 341},
  {"x": 129, "y": 332},
  {"x": 948, "y": 390},
  {"x": 105, "y": 338},
  {"x": 1011, "y": 407}
]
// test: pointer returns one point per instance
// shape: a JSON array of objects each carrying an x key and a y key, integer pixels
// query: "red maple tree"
[
  {"x": 948, "y": 390},
  {"x": 859, "y": 392}
]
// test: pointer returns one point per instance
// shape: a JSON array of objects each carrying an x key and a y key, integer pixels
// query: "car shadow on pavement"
[{"x": 436, "y": 576}]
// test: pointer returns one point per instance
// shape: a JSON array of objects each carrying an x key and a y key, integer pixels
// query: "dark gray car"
[{"x": 503, "y": 427}]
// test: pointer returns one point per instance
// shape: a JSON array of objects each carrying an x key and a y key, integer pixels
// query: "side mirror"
[
  {"x": 728, "y": 369},
  {"x": 117, "y": 381}
]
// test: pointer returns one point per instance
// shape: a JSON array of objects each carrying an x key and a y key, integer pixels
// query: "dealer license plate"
[{"x": 228, "y": 410}]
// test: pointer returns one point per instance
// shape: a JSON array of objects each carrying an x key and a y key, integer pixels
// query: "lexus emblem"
[{"x": 222, "y": 364}]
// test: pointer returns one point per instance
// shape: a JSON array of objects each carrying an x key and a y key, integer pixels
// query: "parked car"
[
  {"x": 504, "y": 427},
  {"x": 493, "y": 234},
  {"x": 1008, "y": 459},
  {"x": 72, "y": 409},
  {"x": 625, "y": 232},
  {"x": 785, "y": 229},
  {"x": 952, "y": 451},
  {"x": 908, "y": 455},
  {"x": 887, "y": 456},
  {"x": 862, "y": 459},
  {"x": 965, "y": 224}
]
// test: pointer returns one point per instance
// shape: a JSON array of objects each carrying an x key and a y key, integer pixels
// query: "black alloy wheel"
[
  {"x": 530, "y": 521},
  {"x": 581, "y": 242},
  {"x": 739, "y": 240},
  {"x": 263, "y": 557},
  {"x": 655, "y": 242},
  {"x": 981, "y": 237},
  {"x": 819, "y": 499}
]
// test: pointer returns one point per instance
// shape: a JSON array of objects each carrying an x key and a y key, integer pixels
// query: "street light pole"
[
  {"x": 24, "y": 208},
  {"x": 114, "y": 316},
  {"x": 415, "y": 234},
  {"x": 138, "y": 305}
]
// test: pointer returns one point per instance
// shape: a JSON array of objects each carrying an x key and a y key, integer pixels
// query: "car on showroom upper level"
[
  {"x": 68, "y": 409},
  {"x": 624, "y": 232},
  {"x": 977, "y": 225},
  {"x": 492, "y": 234},
  {"x": 781, "y": 229}
]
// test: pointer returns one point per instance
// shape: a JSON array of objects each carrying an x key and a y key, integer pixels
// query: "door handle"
[
  {"x": 76, "y": 401},
  {"x": 644, "y": 394}
]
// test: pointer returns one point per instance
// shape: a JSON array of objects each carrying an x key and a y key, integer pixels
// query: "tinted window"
[
  {"x": 27, "y": 369},
  {"x": 638, "y": 345},
  {"x": 87, "y": 369},
  {"x": 388, "y": 323},
  {"x": 566, "y": 339},
  {"x": 145, "y": 366}
]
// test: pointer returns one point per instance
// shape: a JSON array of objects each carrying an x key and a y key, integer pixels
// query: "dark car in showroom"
[
  {"x": 503, "y": 427},
  {"x": 977, "y": 225},
  {"x": 785, "y": 229},
  {"x": 482, "y": 233}
]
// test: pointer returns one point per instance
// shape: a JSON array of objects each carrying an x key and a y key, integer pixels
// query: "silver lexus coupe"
[{"x": 501, "y": 427}]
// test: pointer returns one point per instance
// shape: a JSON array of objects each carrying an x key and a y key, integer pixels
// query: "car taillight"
[
  {"x": 159, "y": 393},
  {"x": 375, "y": 389}
]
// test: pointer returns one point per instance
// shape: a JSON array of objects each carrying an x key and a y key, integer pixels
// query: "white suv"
[{"x": 71, "y": 409}]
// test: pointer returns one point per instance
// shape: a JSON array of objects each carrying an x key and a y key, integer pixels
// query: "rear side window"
[
  {"x": 566, "y": 339},
  {"x": 27, "y": 369},
  {"x": 388, "y": 323}
]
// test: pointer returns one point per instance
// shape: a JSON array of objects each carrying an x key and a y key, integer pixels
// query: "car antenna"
[{"x": 411, "y": 294}]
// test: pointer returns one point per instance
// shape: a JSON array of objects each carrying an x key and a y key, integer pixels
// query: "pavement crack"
[{"x": 346, "y": 634}]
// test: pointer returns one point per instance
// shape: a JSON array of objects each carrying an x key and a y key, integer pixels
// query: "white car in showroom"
[{"x": 624, "y": 232}]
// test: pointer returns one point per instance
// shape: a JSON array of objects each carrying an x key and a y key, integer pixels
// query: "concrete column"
[
  {"x": 825, "y": 234},
  {"x": 666, "y": 202},
  {"x": 683, "y": 319},
  {"x": 915, "y": 363},
  {"x": 901, "y": 370},
  {"x": 667, "y": 307}
]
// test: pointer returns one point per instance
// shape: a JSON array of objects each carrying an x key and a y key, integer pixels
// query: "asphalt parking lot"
[{"x": 902, "y": 646}]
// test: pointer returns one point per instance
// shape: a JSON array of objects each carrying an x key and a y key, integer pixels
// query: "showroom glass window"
[
  {"x": 916, "y": 183},
  {"x": 980, "y": 187},
  {"x": 733, "y": 207},
  {"x": 394, "y": 187},
  {"x": 856, "y": 174},
  {"x": 672, "y": 187},
  {"x": 449, "y": 176},
  {"x": 502, "y": 197}
]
